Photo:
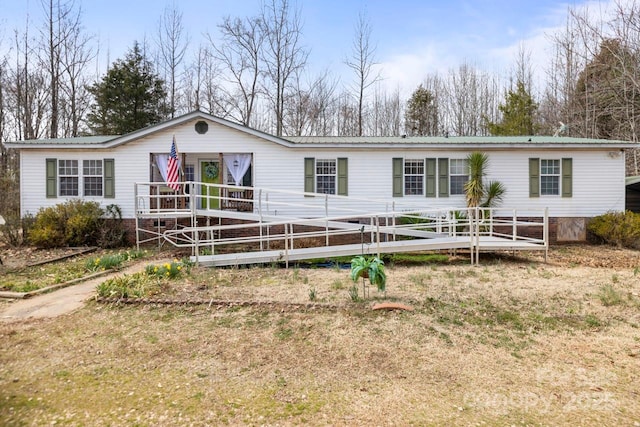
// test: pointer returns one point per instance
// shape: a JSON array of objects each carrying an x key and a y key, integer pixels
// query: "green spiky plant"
[
  {"x": 371, "y": 268},
  {"x": 479, "y": 193}
]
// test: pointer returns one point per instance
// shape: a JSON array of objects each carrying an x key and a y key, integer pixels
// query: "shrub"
[
  {"x": 83, "y": 222},
  {"x": 73, "y": 223},
  {"x": 617, "y": 228},
  {"x": 112, "y": 232},
  {"x": 15, "y": 230}
]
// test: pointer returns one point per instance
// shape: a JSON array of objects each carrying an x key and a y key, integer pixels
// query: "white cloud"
[{"x": 406, "y": 69}]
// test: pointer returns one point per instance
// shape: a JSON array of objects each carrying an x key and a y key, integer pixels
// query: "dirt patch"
[
  {"x": 590, "y": 256},
  {"x": 20, "y": 257}
]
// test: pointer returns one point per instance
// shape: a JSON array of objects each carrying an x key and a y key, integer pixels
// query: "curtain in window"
[
  {"x": 237, "y": 165},
  {"x": 162, "y": 162}
]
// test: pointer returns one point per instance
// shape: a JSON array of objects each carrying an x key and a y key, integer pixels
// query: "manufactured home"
[{"x": 228, "y": 168}]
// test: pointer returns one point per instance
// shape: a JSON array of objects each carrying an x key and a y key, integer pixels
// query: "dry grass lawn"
[{"x": 512, "y": 342}]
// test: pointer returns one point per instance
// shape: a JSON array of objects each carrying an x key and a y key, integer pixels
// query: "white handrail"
[{"x": 385, "y": 221}]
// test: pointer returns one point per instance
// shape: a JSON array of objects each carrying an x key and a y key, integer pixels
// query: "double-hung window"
[
  {"x": 549, "y": 177},
  {"x": 189, "y": 172},
  {"x": 458, "y": 175},
  {"x": 68, "y": 177},
  {"x": 92, "y": 177},
  {"x": 323, "y": 175},
  {"x": 413, "y": 177},
  {"x": 80, "y": 178},
  {"x": 326, "y": 172},
  {"x": 429, "y": 177}
]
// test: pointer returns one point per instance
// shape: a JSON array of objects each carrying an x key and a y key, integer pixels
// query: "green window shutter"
[
  {"x": 343, "y": 176},
  {"x": 430, "y": 171},
  {"x": 309, "y": 174},
  {"x": 52, "y": 178},
  {"x": 109, "y": 176},
  {"x": 398, "y": 176},
  {"x": 567, "y": 177},
  {"x": 443, "y": 177},
  {"x": 534, "y": 177}
]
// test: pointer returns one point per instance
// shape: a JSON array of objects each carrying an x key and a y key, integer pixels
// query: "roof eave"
[
  {"x": 464, "y": 146},
  {"x": 37, "y": 146}
]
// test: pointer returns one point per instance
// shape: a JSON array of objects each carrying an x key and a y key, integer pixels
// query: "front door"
[{"x": 210, "y": 174}]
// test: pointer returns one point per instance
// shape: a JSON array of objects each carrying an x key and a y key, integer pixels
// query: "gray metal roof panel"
[
  {"x": 455, "y": 140},
  {"x": 79, "y": 140}
]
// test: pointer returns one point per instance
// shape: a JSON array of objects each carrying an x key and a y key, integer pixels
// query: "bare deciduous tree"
[
  {"x": 470, "y": 99},
  {"x": 387, "y": 115},
  {"x": 284, "y": 54},
  {"x": 172, "y": 44},
  {"x": 362, "y": 61},
  {"x": 323, "y": 105},
  {"x": 29, "y": 91},
  {"x": 75, "y": 61},
  {"x": 240, "y": 53}
]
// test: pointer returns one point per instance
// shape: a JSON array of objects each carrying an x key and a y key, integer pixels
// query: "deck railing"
[{"x": 288, "y": 220}]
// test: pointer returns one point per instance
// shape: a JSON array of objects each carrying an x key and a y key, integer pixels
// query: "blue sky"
[{"x": 413, "y": 37}]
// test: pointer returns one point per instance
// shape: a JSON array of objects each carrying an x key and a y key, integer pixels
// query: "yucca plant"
[
  {"x": 494, "y": 191},
  {"x": 477, "y": 192},
  {"x": 474, "y": 188},
  {"x": 371, "y": 268}
]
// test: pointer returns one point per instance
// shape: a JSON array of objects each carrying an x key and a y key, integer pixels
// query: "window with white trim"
[
  {"x": 458, "y": 175},
  {"x": 413, "y": 177},
  {"x": 68, "y": 177},
  {"x": 92, "y": 177},
  {"x": 549, "y": 177},
  {"x": 189, "y": 172},
  {"x": 326, "y": 176}
]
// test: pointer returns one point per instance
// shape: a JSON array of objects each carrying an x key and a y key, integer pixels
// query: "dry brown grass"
[{"x": 511, "y": 342}]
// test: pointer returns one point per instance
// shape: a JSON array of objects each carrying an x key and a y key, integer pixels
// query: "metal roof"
[
  {"x": 456, "y": 140},
  {"x": 79, "y": 140},
  {"x": 632, "y": 181}
]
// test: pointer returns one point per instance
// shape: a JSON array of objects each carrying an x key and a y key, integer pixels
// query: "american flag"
[{"x": 173, "y": 176}]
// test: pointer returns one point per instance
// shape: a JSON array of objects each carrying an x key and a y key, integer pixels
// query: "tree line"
[{"x": 253, "y": 70}]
